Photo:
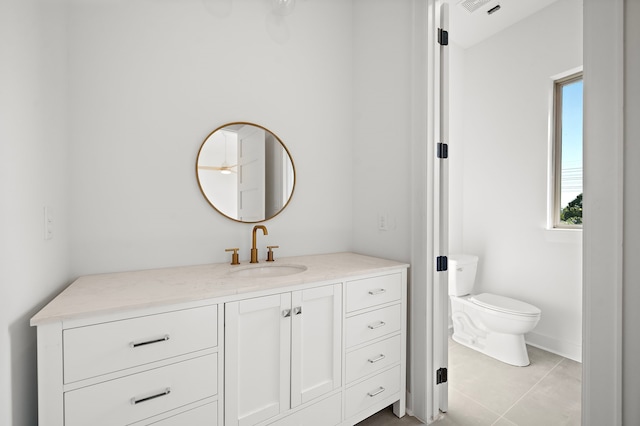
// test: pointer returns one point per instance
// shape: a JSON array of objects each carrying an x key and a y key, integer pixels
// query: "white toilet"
[{"x": 491, "y": 324}]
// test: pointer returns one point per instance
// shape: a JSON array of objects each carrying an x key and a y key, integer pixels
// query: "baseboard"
[{"x": 563, "y": 348}]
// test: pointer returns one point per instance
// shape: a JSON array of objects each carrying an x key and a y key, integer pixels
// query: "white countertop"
[{"x": 107, "y": 293}]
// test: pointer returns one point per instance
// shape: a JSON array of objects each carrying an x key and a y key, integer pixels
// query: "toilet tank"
[{"x": 462, "y": 274}]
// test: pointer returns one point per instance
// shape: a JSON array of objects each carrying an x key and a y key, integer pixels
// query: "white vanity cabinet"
[
  {"x": 136, "y": 368},
  {"x": 205, "y": 346},
  {"x": 282, "y": 351},
  {"x": 375, "y": 336}
]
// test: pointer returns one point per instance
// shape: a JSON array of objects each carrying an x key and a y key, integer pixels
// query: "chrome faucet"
[{"x": 254, "y": 249}]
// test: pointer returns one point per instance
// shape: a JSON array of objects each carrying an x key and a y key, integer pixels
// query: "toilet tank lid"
[
  {"x": 505, "y": 304},
  {"x": 463, "y": 259}
]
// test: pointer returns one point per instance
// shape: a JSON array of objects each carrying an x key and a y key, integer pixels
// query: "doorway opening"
[{"x": 500, "y": 97}]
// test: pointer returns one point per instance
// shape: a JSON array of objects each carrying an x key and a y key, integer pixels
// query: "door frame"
[
  {"x": 603, "y": 233},
  {"x": 441, "y": 210},
  {"x": 423, "y": 399}
]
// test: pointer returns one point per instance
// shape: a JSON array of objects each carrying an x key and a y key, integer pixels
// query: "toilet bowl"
[{"x": 492, "y": 324}]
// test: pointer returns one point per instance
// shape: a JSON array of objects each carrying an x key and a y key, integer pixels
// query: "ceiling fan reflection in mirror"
[{"x": 224, "y": 168}]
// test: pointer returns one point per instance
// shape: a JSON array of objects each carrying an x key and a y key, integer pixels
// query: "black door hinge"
[
  {"x": 443, "y": 37},
  {"x": 441, "y": 376},
  {"x": 443, "y": 150},
  {"x": 441, "y": 263}
]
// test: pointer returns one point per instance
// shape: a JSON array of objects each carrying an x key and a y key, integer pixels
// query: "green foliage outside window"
[{"x": 572, "y": 214}]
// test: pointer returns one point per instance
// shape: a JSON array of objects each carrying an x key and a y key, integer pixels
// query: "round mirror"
[{"x": 245, "y": 172}]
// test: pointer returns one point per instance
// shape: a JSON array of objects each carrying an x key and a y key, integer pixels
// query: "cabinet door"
[
  {"x": 257, "y": 369},
  {"x": 315, "y": 342}
]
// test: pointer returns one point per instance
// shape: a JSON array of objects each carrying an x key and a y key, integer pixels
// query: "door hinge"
[
  {"x": 441, "y": 376},
  {"x": 443, "y": 37},
  {"x": 441, "y": 263},
  {"x": 443, "y": 150}
]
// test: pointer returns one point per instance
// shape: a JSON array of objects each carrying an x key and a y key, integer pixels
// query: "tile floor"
[{"x": 484, "y": 391}]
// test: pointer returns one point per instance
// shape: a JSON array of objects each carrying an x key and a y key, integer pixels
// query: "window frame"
[{"x": 556, "y": 187}]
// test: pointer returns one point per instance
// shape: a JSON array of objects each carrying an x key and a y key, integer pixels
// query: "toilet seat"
[{"x": 505, "y": 305}]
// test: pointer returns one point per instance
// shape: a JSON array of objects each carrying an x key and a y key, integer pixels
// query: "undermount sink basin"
[{"x": 264, "y": 271}]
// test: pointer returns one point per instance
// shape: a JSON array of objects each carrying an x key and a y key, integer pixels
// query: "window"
[{"x": 567, "y": 152}]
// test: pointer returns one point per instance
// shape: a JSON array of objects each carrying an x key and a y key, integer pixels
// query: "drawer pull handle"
[
  {"x": 135, "y": 401},
  {"x": 378, "y": 325},
  {"x": 149, "y": 342},
  {"x": 286, "y": 313},
  {"x": 374, "y": 393},
  {"x": 379, "y": 358},
  {"x": 297, "y": 310},
  {"x": 378, "y": 291}
]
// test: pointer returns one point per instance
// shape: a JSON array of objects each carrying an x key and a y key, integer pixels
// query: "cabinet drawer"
[
  {"x": 373, "y": 291},
  {"x": 103, "y": 348},
  {"x": 324, "y": 413},
  {"x": 372, "y": 358},
  {"x": 364, "y": 327},
  {"x": 143, "y": 395},
  {"x": 203, "y": 415},
  {"x": 371, "y": 391}
]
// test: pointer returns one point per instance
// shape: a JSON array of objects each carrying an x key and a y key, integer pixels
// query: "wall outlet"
[
  {"x": 383, "y": 222},
  {"x": 48, "y": 223}
]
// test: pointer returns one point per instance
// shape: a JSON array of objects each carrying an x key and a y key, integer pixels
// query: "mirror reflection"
[{"x": 245, "y": 172}]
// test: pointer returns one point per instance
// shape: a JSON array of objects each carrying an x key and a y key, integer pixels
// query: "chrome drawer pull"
[
  {"x": 379, "y": 358},
  {"x": 378, "y": 291},
  {"x": 286, "y": 313},
  {"x": 378, "y": 325},
  {"x": 135, "y": 401},
  {"x": 297, "y": 310},
  {"x": 379, "y": 391},
  {"x": 149, "y": 342}
]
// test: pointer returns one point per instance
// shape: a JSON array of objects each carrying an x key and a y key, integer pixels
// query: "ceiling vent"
[{"x": 473, "y": 5}]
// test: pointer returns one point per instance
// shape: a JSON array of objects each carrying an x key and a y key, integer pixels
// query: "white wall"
[
  {"x": 150, "y": 80},
  {"x": 33, "y": 174},
  {"x": 103, "y": 109},
  {"x": 382, "y": 127},
  {"x": 507, "y": 83}
]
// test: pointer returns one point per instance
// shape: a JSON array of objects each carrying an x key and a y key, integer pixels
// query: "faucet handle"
[
  {"x": 234, "y": 256},
  {"x": 270, "y": 253}
]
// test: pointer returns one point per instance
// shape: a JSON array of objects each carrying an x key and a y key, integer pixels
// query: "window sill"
[{"x": 563, "y": 235}]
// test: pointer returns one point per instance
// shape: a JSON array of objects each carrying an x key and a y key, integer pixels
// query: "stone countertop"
[{"x": 114, "y": 292}]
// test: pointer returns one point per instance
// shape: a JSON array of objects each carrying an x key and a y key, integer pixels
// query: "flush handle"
[{"x": 378, "y": 291}]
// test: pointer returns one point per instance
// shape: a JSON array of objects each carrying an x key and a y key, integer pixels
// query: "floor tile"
[
  {"x": 484, "y": 391},
  {"x": 553, "y": 401},
  {"x": 464, "y": 411},
  {"x": 387, "y": 418},
  {"x": 504, "y": 422},
  {"x": 492, "y": 383}
]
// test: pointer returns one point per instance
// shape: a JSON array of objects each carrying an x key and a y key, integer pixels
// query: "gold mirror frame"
[{"x": 215, "y": 172}]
